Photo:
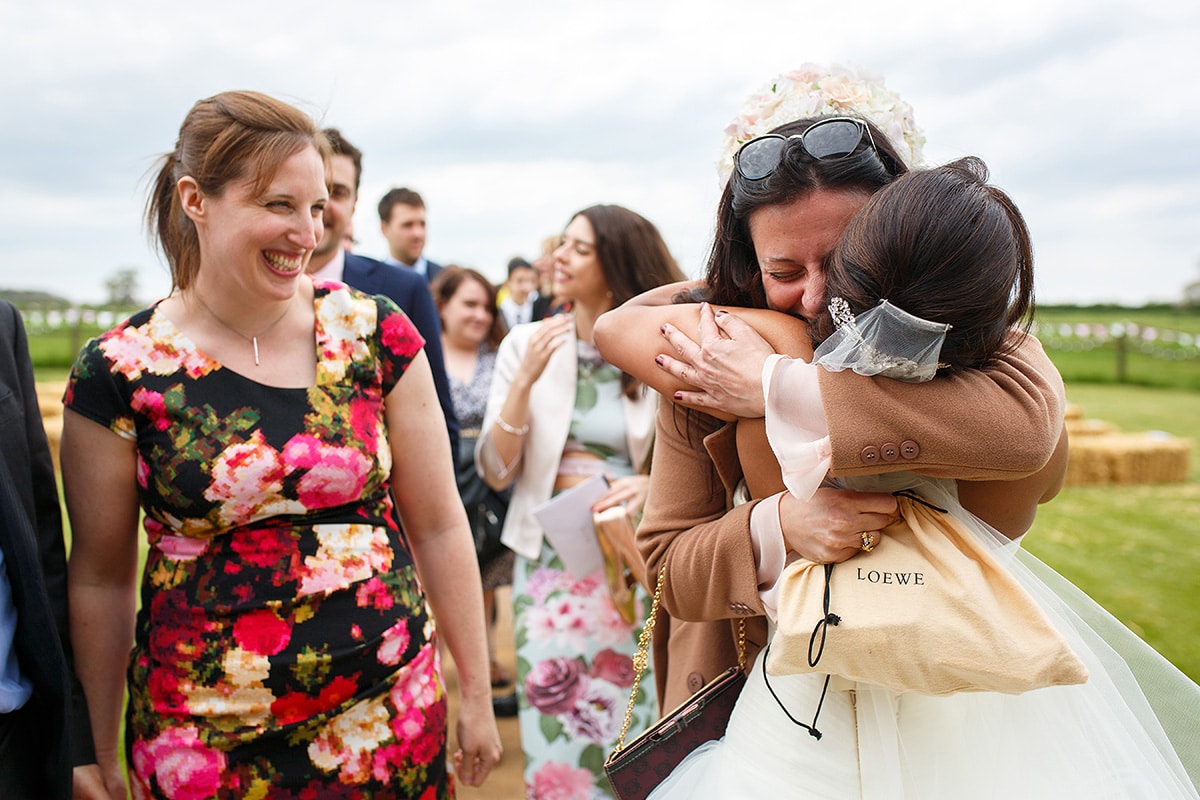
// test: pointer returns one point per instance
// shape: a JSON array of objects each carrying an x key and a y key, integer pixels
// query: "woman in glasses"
[
  {"x": 952, "y": 257},
  {"x": 557, "y": 416},
  {"x": 774, "y": 232},
  {"x": 943, "y": 243}
]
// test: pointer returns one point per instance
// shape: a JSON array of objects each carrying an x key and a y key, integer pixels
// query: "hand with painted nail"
[{"x": 724, "y": 363}]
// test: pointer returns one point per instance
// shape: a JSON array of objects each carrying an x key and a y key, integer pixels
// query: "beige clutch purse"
[{"x": 623, "y": 567}]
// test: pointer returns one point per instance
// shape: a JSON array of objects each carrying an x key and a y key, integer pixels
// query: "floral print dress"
[
  {"x": 574, "y": 650},
  {"x": 283, "y": 648}
]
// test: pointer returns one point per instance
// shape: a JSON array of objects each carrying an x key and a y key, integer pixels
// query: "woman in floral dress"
[
  {"x": 273, "y": 432},
  {"x": 557, "y": 415}
]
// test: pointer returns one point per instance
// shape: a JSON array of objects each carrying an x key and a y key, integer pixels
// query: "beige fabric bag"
[{"x": 930, "y": 609}]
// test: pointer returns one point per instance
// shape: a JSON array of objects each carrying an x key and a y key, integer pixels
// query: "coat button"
[
  {"x": 888, "y": 451},
  {"x": 870, "y": 454},
  {"x": 695, "y": 682},
  {"x": 909, "y": 449}
]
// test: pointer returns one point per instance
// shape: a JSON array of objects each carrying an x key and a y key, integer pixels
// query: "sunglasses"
[{"x": 827, "y": 140}]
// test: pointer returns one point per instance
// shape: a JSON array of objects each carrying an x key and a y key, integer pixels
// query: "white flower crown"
[{"x": 814, "y": 90}]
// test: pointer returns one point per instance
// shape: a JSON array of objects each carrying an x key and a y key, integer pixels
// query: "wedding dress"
[
  {"x": 1131, "y": 731},
  {"x": 1122, "y": 734}
]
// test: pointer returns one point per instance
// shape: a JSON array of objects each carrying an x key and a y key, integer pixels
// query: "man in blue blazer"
[
  {"x": 45, "y": 736},
  {"x": 406, "y": 288}
]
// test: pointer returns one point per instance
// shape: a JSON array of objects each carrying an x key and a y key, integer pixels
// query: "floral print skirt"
[
  {"x": 285, "y": 663},
  {"x": 574, "y": 675}
]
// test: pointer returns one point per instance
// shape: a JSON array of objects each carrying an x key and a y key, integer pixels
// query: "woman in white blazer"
[{"x": 558, "y": 415}]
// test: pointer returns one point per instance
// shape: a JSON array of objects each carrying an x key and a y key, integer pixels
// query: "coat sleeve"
[
  {"x": 710, "y": 565},
  {"x": 1000, "y": 422}
]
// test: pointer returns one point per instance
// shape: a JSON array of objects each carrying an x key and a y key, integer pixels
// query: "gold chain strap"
[
  {"x": 641, "y": 659},
  {"x": 742, "y": 644}
]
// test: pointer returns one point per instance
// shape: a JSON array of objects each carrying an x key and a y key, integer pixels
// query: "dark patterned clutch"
[{"x": 635, "y": 770}]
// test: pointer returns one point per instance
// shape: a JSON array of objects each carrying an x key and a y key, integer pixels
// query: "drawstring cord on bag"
[
  {"x": 916, "y": 498},
  {"x": 817, "y": 641},
  {"x": 823, "y": 623},
  {"x": 820, "y": 629},
  {"x": 812, "y": 729}
]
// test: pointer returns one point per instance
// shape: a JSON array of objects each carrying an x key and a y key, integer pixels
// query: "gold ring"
[{"x": 868, "y": 543}]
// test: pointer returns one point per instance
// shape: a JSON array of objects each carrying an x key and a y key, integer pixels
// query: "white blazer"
[{"x": 551, "y": 402}]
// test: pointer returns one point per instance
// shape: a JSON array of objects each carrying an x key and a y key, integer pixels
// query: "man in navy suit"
[
  {"x": 402, "y": 222},
  {"x": 331, "y": 262},
  {"x": 45, "y": 736}
]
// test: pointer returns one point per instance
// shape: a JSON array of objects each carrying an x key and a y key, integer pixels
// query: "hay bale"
[
  {"x": 1089, "y": 427},
  {"x": 1127, "y": 458}
]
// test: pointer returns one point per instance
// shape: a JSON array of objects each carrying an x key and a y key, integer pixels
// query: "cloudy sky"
[{"x": 510, "y": 116}]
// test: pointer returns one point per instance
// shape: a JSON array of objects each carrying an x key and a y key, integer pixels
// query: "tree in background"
[
  {"x": 122, "y": 287},
  {"x": 1191, "y": 293}
]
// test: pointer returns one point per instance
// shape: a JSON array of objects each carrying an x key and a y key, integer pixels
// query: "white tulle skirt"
[{"x": 1131, "y": 731}]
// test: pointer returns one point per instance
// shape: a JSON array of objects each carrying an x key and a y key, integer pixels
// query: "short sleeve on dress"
[
  {"x": 96, "y": 392},
  {"x": 399, "y": 341}
]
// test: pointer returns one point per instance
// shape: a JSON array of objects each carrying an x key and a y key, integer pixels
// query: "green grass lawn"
[{"x": 1134, "y": 549}]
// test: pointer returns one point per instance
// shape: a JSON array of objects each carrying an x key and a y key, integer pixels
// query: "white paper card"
[{"x": 566, "y": 519}]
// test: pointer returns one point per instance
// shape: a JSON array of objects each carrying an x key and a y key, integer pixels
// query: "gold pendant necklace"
[{"x": 252, "y": 339}]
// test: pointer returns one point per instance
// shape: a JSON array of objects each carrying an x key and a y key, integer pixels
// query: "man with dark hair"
[
  {"x": 330, "y": 261},
  {"x": 45, "y": 735},
  {"x": 518, "y": 302},
  {"x": 402, "y": 222}
]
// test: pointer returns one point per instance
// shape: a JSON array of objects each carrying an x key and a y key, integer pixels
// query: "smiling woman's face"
[
  {"x": 577, "y": 271},
  {"x": 467, "y": 316},
  {"x": 260, "y": 244},
  {"x": 791, "y": 242}
]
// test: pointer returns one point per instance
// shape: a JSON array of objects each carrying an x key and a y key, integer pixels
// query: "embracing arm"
[
  {"x": 102, "y": 574},
  {"x": 999, "y": 422},
  {"x": 1010, "y": 506},
  {"x": 629, "y": 338},
  {"x": 722, "y": 562},
  {"x": 436, "y": 526}
]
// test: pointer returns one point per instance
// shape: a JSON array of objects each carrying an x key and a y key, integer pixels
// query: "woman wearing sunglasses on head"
[
  {"x": 934, "y": 275},
  {"x": 784, "y": 210},
  {"x": 774, "y": 232}
]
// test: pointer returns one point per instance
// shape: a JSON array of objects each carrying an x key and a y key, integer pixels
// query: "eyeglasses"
[{"x": 827, "y": 140}]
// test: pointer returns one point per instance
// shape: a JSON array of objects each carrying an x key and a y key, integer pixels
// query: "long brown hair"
[
  {"x": 945, "y": 246},
  {"x": 633, "y": 257},
  {"x": 228, "y": 137}
]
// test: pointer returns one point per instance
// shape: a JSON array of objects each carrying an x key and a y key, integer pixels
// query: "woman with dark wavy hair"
[{"x": 931, "y": 277}]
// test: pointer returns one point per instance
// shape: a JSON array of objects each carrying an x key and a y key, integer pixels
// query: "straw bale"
[
  {"x": 1089, "y": 427},
  {"x": 1125, "y": 458}
]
